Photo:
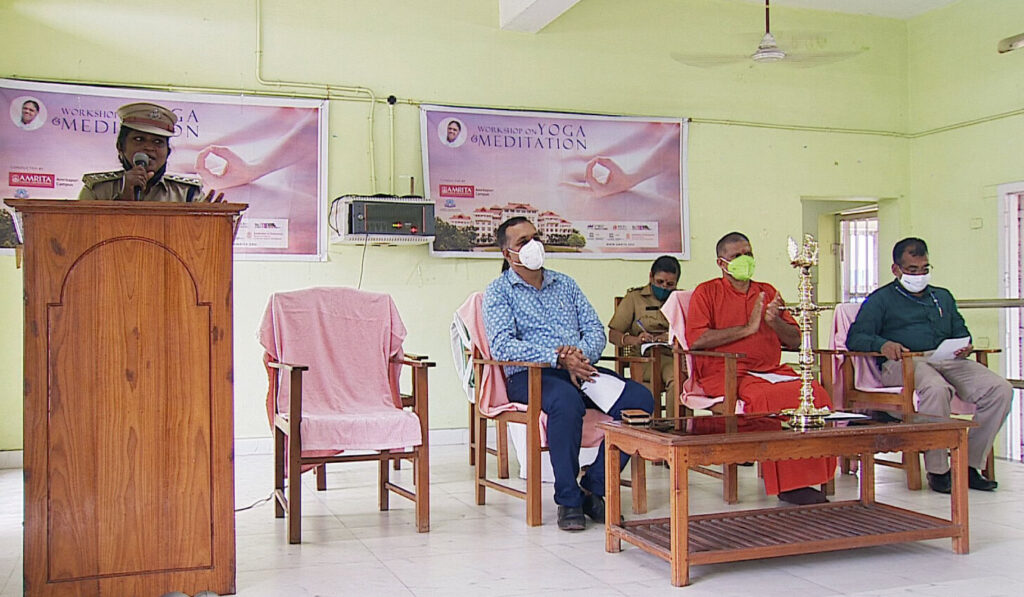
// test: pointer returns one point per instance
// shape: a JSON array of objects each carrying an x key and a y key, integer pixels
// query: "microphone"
[{"x": 140, "y": 159}]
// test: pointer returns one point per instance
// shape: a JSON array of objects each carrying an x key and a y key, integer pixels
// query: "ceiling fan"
[
  {"x": 1011, "y": 43},
  {"x": 768, "y": 50}
]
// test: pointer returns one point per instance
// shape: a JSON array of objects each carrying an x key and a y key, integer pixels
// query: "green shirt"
[{"x": 919, "y": 323}]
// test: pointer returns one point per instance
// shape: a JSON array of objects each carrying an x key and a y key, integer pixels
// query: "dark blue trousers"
[{"x": 565, "y": 406}]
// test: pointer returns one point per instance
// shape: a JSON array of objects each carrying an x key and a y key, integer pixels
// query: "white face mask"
[
  {"x": 915, "y": 283},
  {"x": 531, "y": 255}
]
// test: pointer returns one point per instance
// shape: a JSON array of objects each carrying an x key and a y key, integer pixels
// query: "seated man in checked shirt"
[{"x": 538, "y": 315}]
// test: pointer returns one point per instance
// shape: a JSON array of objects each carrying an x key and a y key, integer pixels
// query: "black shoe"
[
  {"x": 883, "y": 416},
  {"x": 593, "y": 506},
  {"x": 976, "y": 481},
  {"x": 803, "y": 496},
  {"x": 940, "y": 483},
  {"x": 571, "y": 518}
]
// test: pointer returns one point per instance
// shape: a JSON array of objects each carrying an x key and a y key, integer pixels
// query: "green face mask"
[{"x": 741, "y": 268}]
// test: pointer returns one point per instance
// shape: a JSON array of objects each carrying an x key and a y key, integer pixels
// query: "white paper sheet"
[
  {"x": 645, "y": 347},
  {"x": 604, "y": 390},
  {"x": 841, "y": 416},
  {"x": 947, "y": 350},
  {"x": 773, "y": 377}
]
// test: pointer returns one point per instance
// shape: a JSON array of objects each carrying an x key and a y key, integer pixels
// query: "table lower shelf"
[{"x": 773, "y": 532}]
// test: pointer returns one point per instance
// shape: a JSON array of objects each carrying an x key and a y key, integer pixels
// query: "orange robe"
[{"x": 715, "y": 305}]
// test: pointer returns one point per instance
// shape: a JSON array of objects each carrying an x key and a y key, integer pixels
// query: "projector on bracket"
[{"x": 389, "y": 219}]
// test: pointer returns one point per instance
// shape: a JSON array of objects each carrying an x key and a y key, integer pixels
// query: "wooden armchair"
[
  {"x": 635, "y": 363},
  {"x": 531, "y": 419},
  {"x": 342, "y": 398},
  {"x": 490, "y": 403},
  {"x": 853, "y": 380},
  {"x": 691, "y": 395}
]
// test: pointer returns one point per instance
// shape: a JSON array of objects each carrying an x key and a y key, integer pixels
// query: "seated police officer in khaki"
[
  {"x": 638, "y": 318},
  {"x": 143, "y": 145}
]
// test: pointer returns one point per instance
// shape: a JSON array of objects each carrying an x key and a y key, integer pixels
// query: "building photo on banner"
[
  {"x": 270, "y": 153},
  {"x": 594, "y": 186}
]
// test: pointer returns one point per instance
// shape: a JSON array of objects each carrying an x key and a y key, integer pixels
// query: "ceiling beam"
[{"x": 530, "y": 16}]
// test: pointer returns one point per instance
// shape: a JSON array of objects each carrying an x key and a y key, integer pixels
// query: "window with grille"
[
  {"x": 1011, "y": 319},
  {"x": 858, "y": 255}
]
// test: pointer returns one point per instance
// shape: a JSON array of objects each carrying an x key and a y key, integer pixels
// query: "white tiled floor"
[{"x": 349, "y": 548}]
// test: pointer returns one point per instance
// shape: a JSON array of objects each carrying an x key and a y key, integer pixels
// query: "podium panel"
[{"x": 129, "y": 479}]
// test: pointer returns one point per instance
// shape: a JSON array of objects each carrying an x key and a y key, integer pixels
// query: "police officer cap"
[{"x": 148, "y": 118}]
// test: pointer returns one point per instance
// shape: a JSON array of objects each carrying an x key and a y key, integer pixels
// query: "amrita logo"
[
  {"x": 30, "y": 179},
  {"x": 458, "y": 190}
]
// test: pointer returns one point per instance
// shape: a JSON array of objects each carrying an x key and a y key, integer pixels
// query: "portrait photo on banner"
[
  {"x": 270, "y": 153},
  {"x": 594, "y": 186}
]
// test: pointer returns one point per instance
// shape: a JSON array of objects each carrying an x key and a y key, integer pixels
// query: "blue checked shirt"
[{"x": 526, "y": 324}]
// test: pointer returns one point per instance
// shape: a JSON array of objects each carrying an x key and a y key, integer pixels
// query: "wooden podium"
[{"x": 129, "y": 478}]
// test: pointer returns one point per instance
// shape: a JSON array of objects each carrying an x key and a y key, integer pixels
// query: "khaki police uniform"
[
  {"x": 155, "y": 120},
  {"x": 640, "y": 304},
  {"x": 106, "y": 186}
]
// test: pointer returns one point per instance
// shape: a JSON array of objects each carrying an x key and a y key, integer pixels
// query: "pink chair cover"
[
  {"x": 694, "y": 396},
  {"x": 492, "y": 398},
  {"x": 347, "y": 338},
  {"x": 867, "y": 376}
]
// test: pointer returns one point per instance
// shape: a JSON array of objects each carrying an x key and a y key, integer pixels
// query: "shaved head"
[{"x": 732, "y": 237}]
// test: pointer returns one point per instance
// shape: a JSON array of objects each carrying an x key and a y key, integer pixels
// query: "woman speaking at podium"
[{"x": 143, "y": 144}]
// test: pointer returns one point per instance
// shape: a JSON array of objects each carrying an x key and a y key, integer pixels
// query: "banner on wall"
[
  {"x": 594, "y": 186},
  {"x": 267, "y": 152}
]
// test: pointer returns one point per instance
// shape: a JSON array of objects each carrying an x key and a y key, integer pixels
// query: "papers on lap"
[
  {"x": 947, "y": 350},
  {"x": 773, "y": 377},
  {"x": 604, "y": 390}
]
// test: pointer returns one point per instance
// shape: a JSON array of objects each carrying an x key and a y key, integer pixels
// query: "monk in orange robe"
[{"x": 736, "y": 314}]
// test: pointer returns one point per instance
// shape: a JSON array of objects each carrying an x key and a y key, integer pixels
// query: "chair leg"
[
  {"x": 730, "y": 486},
  {"x": 278, "y": 472},
  {"x": 501, "y": 442},
  {"x": 472, "y": 434},
  {"x": 638, "y": 478},
  {"x": 533, "y": 474},
  {"x": 912, "y": 465},
  {"x": 421, "y": 473},
  {"x": 383, "y": 476},
  {"x": 481, "y": 459},
  {"x": 320, "y": 472},
  {"x": 294, "y": 493}
]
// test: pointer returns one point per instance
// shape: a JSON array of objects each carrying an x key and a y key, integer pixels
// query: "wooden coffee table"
[{"x": 683, "y": 539}]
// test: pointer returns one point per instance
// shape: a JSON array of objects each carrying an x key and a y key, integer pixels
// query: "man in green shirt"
[{"x": 910, "y": 315}]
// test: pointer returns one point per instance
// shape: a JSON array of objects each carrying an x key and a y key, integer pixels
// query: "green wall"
[{"x": 838, "y": 129}]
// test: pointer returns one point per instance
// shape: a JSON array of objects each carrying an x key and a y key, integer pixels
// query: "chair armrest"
[
  {"x": 419, "y": 362},
  {"x": 711, "y": 353},
  {"x": 287, "y": 366},
  {"x": 986, "y": 351},
  {"x": 628, "y": 360},
  {"x": 416, "y": 357},
  {"x": 862, "y": 353},
  {"x": 528, "y": 364}
]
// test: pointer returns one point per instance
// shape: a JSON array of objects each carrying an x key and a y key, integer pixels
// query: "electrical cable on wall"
[{"x": 362, "y": 261}]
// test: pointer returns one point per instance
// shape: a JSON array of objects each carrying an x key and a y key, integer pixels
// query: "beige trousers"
[{"x": 972, "y": 382}]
